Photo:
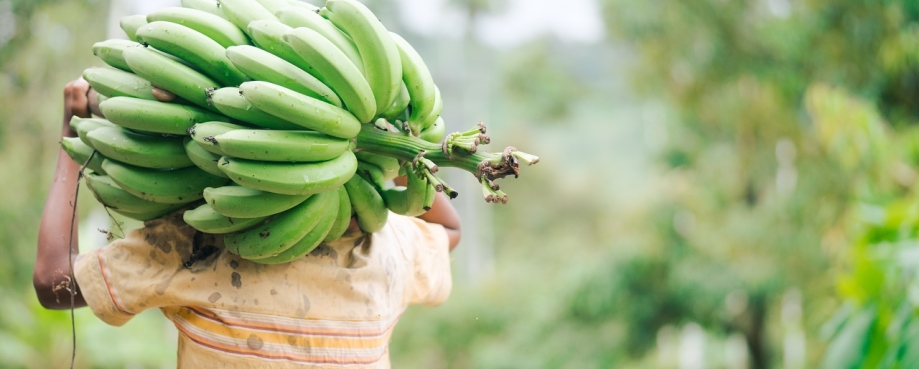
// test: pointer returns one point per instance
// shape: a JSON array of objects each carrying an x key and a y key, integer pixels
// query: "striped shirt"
[{"x": 334, "y": 308}]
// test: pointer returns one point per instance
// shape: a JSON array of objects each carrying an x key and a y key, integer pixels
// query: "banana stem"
[
  {"x": 500, "y": 196},
  {"x": 434, "y": 181},
  {"x": 429, "y": 164},
  {"x": 486, "y": 166},
  {"x": 526, "y": 158},
  {"x": 468, "y": 144},
  {"x": 487, "y": 192},
  {"x": 403, "y": 147}
]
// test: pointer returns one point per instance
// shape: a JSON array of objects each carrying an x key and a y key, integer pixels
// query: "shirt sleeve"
[
  {"x": 430, "y": 252},
  {"x": 124, "y": 278}
]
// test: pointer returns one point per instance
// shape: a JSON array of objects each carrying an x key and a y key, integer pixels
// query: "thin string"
[{"x": 73, "y": 278}]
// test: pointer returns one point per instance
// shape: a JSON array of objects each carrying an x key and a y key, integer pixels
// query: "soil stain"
[
  {"x": 255, "y": 342},
  {"x": 214, "y": 297},
  {"x": 236, "y": 280},
  {"x": 161, "y": 287},
  {"x": 159, "y": 240}
]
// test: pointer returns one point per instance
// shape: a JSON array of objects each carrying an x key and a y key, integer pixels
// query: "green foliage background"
[{"x": 706, "y": 165}]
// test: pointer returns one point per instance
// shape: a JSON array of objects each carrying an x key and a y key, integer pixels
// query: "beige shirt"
[{"x": 335, "y": 307}]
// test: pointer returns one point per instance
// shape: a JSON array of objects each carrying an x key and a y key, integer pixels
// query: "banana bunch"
[{"x": 274, "y": 122}]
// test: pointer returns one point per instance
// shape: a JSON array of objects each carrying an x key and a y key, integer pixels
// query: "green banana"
[
  {"x": 435, "y": 113},
  {"x": 295, "y": 17},
  {"x": 269, "y": 36},
  {"x": 209, "y": 6},
  {"x": 281, "y": 232},
  {"x": 115, "y": 82},
  {"x": 303, "y": 4},
  {"x": 229, "y": 101},
  {"x": 343, "y": 218},
  {"x": 81, "y": 152},
  {"x": 177, "y": 186},
  {"x": 243, "y": 12},
  {"x": 244, "y": 202},
  {"x": 261, "y": 65},
  {"x": 368, "y": 205},
  {"x": 300, "y": 109},
  {"x": 371, "y": 173},
  {"x": 205, "y": 54},
  {"x": 418, "y": 80},
  {"x": 312, "y": 238},
  {"x": 113, "y": 196},
  {"x": 100, "y": 97},
  {"x": 335, "y": 69},
  {"x": 140, "y": 150},
  {"x": 83, "y": 126},
  {"x": 435, "y": 133},
  {"x": 204, "y": 133},
  {"x": 284, "y": 146},
  {"x": 170, "y": 75},
  {"x": 430, "y": 196},
  {"x": 388, "y": 165},
  {"x": 219, "y": 29},
  {"x": 382, "y": 63},
  {"x": 205, "y": 219},
  {"x": 408, "y": 200},
  {"x": 203, "y": 159},
  {"x": 273, "y": 5},
  {"x": 290, "y": 178},
  {"x": 155, "y": 116},
  {"x": 145, "y": 216},
  {"x": 131, "y": 23},
  {"x": 396, "y": 109},
  {"x": 110, "y": 52}
]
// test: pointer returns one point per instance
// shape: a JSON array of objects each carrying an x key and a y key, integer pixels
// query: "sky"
[
  {"x": 515, "y": 23},
  {"x": 519, "y": 21}
]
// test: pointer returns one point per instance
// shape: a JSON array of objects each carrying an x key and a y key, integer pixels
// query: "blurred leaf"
[
  {"x": 850, "y": 129},
  {"x": 832, "y": 326},
  {"x": 848, "y": 348},
  {"x": 909, "y": 356}
]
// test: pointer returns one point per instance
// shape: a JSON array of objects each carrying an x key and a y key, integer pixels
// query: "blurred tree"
[
  {"x": 756, "y": 190},
  {"x": 758, "y": 182},
  {"x": 43, "y": 45},
  {"x": 15, "y": 31}
]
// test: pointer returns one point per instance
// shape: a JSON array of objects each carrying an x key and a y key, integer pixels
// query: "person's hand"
[
  {"x": 76, "y": 103},
  {"x": 442, "y": 212},
  {"x": 82, "y": 101}
]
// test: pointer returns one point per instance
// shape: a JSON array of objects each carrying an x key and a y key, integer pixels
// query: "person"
[{"x": 335, "y": 307}]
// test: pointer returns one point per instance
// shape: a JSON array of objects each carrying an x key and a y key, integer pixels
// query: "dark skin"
[{"x": 52, "y": 275}]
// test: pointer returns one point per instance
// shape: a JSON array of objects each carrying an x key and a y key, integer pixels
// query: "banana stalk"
[{"x": 486, "y": 166}]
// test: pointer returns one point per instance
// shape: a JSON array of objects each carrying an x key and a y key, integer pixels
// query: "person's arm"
[
  {"x": 53, "y": 274},
  {"x": 443, "y": 213}
]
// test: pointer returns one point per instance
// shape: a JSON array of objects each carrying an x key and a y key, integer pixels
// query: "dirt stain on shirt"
[
  {"x": 161, "y": 287},
  {"x": 236, "y": 280},
  {"x": 255, "y": 342},
  {"x": 306, "y": 303},
  {"x": 214, "y": 297},
  {"x": 160, "y": 241}
]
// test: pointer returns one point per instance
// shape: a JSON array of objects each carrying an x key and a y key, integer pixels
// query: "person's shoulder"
[
  {"x": 411, "y": 230},
  {"x": 166, "y": 233},
  {"x": 401, "y": 224},
  {"x": 169, "y": 223}
]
